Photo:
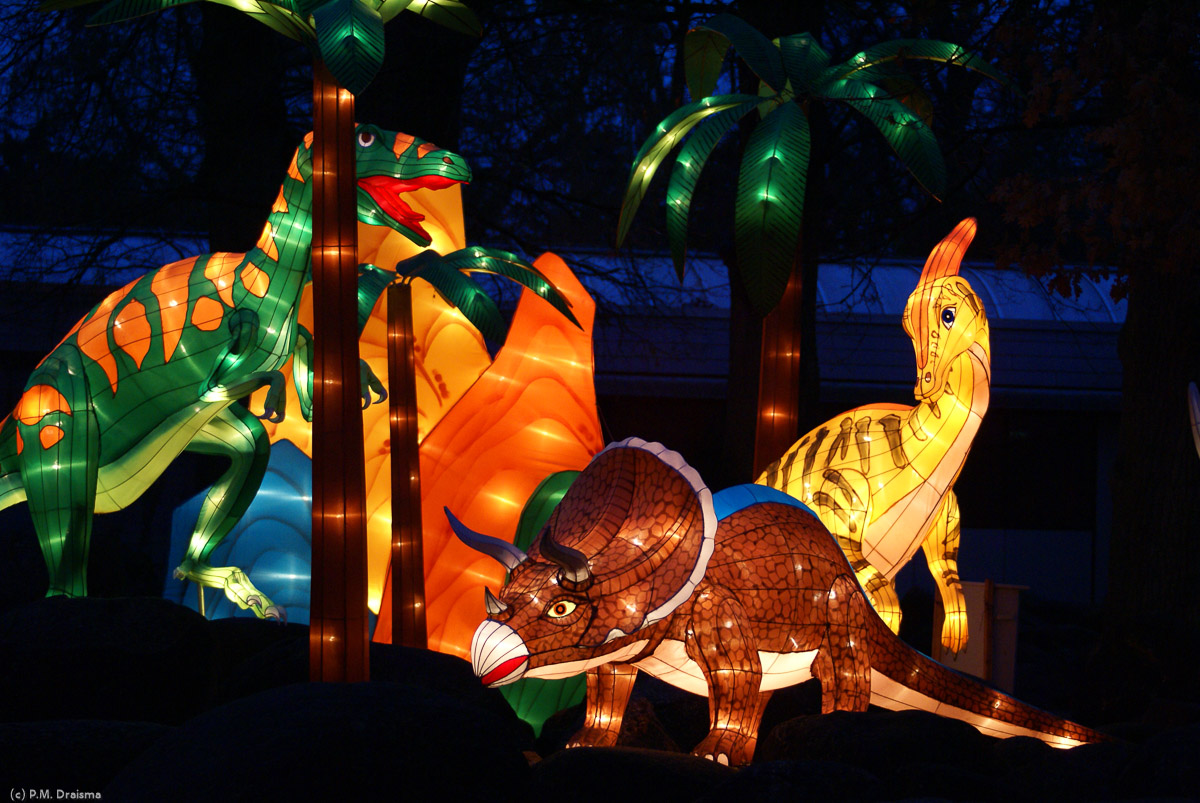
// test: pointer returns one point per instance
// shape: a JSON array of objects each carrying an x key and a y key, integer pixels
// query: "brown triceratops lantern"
[{"x": 640, "y": 567}]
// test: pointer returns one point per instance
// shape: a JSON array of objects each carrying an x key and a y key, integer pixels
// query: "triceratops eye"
[
  {"x": 560, "y": 608},
  {"x": 365, "y": 139},
  {"x": 948, "y": 317}
]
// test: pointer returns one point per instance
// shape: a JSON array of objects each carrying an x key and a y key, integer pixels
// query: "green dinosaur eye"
[
  {"x": 948, "y": 317},
  {"x": 365, "y": 139},
  {"x": 559, "y": 609}
]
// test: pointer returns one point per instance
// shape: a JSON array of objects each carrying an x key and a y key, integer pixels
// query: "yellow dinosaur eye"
[{"x": 558, "y": 610}]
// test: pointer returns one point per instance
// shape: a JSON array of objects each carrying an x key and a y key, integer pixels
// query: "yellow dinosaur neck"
[{"x": 936, "y": 436}]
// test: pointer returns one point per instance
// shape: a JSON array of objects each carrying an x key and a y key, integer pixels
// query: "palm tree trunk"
[
  {"x": 779, "y": 377},
  {"x": 789, "y": 379},
  {"x": 338, "y": 643},
  {"x": 408, "y": 560}
]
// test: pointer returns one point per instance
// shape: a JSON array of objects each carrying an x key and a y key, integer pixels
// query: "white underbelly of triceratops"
[{"x": 670, "y": 663}]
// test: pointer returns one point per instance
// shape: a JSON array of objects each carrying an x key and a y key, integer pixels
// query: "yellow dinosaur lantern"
[{"x": 880, "y": 477}]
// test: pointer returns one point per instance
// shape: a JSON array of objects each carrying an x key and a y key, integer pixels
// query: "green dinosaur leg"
[
  {"x": 941, "y": 553},
  {"x": 58, "y": 458},
  {"x": 237, "y": 434}
]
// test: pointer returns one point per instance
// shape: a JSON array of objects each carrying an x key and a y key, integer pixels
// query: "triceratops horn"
[
  {"x": 502, "y": 551},
  {"x": 493, "y": 605},
  {"x": 574, "y": 565}
]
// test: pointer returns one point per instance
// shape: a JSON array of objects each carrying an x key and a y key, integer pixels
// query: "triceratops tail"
[{"x": 902, "y": 677}]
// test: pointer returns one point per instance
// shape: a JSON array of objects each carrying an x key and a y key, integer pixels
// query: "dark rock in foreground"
[
  {"x": 70, "y": 755},
  {"x": 136, "y": 660},
  {"x": 362, "y": 741},
  {"x": 91, "y": 692},
  {"x": 606, "y": 774}
]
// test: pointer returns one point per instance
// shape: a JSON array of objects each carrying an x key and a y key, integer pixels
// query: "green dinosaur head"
[{"x": 391, "y": 164}]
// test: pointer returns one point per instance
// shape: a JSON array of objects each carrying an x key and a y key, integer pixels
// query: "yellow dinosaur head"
[{"x": 944, "y": 316}]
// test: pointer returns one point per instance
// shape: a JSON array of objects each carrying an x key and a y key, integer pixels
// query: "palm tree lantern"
[{"x": 794, "y": 73}]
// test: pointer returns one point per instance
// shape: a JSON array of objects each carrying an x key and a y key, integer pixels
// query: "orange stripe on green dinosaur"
[
  {"x": 170, "y": 289},
  {"x": 38, "y": 402},
  {"x": 93, "y": 335},
  {"x": 220, "y": 271},
  {"x": 132, "y": 332},
  {"x": 155, "y": 369}
]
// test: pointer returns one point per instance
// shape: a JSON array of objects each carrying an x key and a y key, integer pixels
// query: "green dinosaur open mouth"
[{"x": 387, "y": 192}]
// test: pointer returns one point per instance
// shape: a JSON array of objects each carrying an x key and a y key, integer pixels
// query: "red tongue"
[{"x": 502, "y": 671}]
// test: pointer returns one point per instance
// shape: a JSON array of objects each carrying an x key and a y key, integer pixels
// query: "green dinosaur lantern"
[{"x": 154, "y": 370}]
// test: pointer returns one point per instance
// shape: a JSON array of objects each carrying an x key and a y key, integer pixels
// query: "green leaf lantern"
[{"x": 794, "y": 72}]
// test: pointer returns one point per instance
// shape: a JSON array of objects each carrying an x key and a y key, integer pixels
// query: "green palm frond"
[
  {"x": 803, "y": 59},
  {"x": 350, "y": 41},
  {"x": 908, "y": 136},
  {"x": 121, "y": 10},
  {"x": 447, "y": 13},
  {"x": 793, "y": 72},
  {"x": 389, "y": 9},
  {"x": 917, "y": 49},
  {"x": 459, "y": 291},
  {"x": 501, "y": 263},
  {"x": 703, "y": 54},
  {"x": 669, "y": 133},
  {"x": 759, "y": 53},
  {"x": 372, "y": 281},
  {"x": 686, "y": 172},
  {"x": 447, "y": 274},
  {"x": 770, "y": 203}
]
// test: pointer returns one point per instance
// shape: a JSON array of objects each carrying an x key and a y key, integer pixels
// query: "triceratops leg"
[
  {"x": 58, "y": 449},
  {"x": 842, "y": 664},
  {"x": 608, "y": 688},
  {"x": 720, "y": 643},
  {"x": 941, "y": 553},
  {"x": 237, "y": 434}
]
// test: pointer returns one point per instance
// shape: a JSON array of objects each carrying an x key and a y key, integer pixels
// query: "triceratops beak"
[
  {"x": 502, "y": 551},
  {"x": 498, "y": 654}
]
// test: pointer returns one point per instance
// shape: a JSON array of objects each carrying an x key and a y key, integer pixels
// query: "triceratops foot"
[
  {"x": 593, "y": 737},
  {"x": 725, "y": 746}
]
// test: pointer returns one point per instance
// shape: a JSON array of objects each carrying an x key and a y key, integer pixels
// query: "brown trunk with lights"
[
  {"x": 788, "y": 375},
  {"x": 407, "y": 584},
  {"x": 779, "y": 376},
  {"x": 338, "y": 644}
]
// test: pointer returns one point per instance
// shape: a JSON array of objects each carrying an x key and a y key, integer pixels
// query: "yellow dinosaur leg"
[
  {"x": 843, "y": 503},
  {"x": 941, "y": 552}
]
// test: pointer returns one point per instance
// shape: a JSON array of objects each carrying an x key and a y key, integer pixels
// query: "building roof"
[{"x": 1047, "y": 350}]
